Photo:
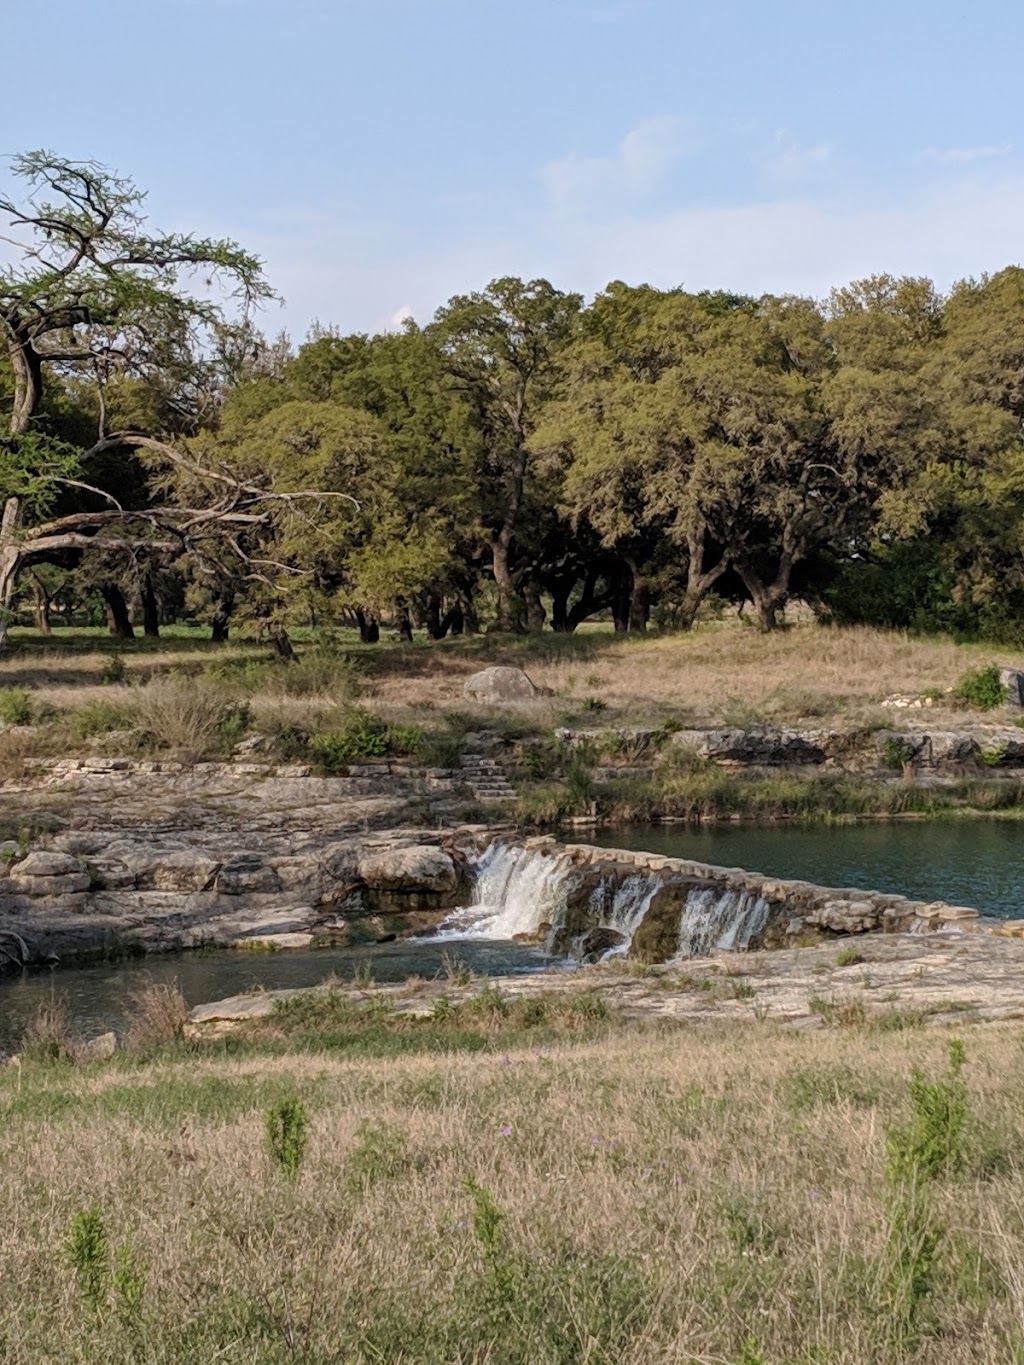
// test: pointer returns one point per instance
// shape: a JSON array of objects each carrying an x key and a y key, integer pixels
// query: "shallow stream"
[{"x": 967, "y": 862}]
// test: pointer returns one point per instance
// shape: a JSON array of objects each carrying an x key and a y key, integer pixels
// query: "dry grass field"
[
  {"x": 720, "y": 673},
  {"x": 554, "y": 1187}
]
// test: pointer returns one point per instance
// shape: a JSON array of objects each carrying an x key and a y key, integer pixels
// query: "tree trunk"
[
  {"x": 509, "y": 613},
  {"x": 454, "y": 621},
  {"x": 768, "y": 597},
  {"x": 221, "y": 620},
  {"x": 28, "y": 382},
  {"x": 41, "y": 608},
  {"x": 403, "y": 622},
  {"x": 622, "y": 590},
  {"x": 639, "y": 599},
  {"x": 281, "y": 644},
  {"x": 432, "y": 618},
  {"x": 119, "y": 622},
  {"x": 698, "y": 583},
  {"x": 150, "y": 610},
  {"x": 369, "y": 627},
  {"x": 560, "y": 606},
  {"x": 535, "y": 613}
]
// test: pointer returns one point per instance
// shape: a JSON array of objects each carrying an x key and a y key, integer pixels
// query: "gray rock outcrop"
[
  {"x": 1013, "y": 680},
  {"x": 499, "y": 684}
]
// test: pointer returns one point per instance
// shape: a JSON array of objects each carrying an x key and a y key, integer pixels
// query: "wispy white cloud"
[
  {"x": 788, "y": 163},
  {"x": 636, "y": 167},
  {"x": 789, "y": 244},
  {"x": 962, "y": 156}
]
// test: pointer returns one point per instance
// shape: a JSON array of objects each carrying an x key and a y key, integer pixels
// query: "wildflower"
[{"x": 507, "y": 1130}]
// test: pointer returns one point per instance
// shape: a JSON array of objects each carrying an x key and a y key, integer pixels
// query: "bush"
[
  {"x": 896, "y": 752},
  {"x": 156, "y": 1014},
  {"x": 114, "y": 671},
  {"x": 981, "y": 688},
  {"x": 189, "y": 716},
  {"x": 47, "y": 1036},
  {"x": 363, "y": 736},
  {"x": 100, "y": 717},
  {"x": 930, "y": 1144},
  {"x": 317, "y": 672},
  {"x": 287, "y": 1122},
  {"x": 15, "y": 706}
]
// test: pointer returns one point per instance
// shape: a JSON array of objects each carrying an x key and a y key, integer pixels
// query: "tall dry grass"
[{"x": 715, "y": 1196}]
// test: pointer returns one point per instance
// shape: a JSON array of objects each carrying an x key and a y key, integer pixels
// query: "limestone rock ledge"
[{"x": 93, "y": 894}]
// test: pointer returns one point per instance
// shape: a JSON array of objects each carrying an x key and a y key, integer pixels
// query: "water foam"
[
  {"x": 520, "y": 889},
  {"x": 517, "y": 890}
]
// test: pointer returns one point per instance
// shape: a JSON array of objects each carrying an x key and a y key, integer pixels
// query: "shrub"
[
  {"x": 114, "y": 671},
  {"x": 317, "y": 672},
  {"x": 286, "y": 1125},
  {"x": 930, "y": 1143},
  {"x": 362, "y": 736},
  {"x": 100, "y": 717},
  {"x": 405, "y": 739},
  {"x": 47, "y": 1035},
  {"x": 896, "y": 751},
  {"x": 189, "y": 716},
  {"x": 379, "y": 1154},
  {"x": 88, "y": 1252},
  {"x": 849, "y": 957},
  {"x": 156, "y": 1014},
  {"x": 981, "y": 688},
  {"x": 15, "y": 706},
  {"x": 593, "y": 704}
]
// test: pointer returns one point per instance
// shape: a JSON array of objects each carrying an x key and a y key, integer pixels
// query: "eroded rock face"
[
  {"x": 499, "y": 684},
  {"x": 417, "y": 868},
  {"x": 165, "y": 892}
]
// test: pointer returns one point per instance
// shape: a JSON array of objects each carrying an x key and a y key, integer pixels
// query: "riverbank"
[{"x": 502, "y": 1179}]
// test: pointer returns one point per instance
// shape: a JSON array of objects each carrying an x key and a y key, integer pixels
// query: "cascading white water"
[
  {"x": 719, "y": 919},
  {"x": 517, "y": 890},
  {"x": 629, "y": 903}
]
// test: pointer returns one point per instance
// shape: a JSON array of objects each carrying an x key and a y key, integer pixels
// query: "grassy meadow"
[
  {"x": 517, "y": 1183},
  {"x": 720, "y": 673},
  {"x": 184, "y": 698}
]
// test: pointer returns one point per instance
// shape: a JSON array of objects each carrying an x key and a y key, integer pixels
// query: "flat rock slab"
[{"x": 948, "y": 980}]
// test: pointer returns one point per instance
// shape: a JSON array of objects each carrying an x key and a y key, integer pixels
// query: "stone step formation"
[{"x": 486, "y": 779}]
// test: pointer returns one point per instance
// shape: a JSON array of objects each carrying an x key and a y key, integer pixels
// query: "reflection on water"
[
  {"x": 966, "y": 862},
  {"x": 96, "y": 995}
]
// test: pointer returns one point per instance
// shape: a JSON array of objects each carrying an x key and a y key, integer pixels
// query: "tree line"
[{"x": 527, "y": 460}]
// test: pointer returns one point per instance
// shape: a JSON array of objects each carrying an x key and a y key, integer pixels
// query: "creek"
[
  {"x": 969, "y": 862},
  {"x": 973, "y": 862}
]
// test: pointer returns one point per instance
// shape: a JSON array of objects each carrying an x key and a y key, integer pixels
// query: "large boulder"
[
  {"x": 498, "y": 684},
  {"x": 1013, "y": 680},
  {"x": 415, "y": 868},
  {"x": 44, "y": 873}
]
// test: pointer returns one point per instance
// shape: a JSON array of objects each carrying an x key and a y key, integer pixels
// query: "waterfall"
[
  {"x": 719, "y": 919},
  {"x": 622, "y": 908},
  {"x": 517, "y": 890}
]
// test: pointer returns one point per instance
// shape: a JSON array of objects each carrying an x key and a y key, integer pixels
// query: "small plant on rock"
[{"x": 849, "y": 957}]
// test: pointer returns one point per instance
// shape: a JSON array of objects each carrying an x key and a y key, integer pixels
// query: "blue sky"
[{"x": 382, "y": 155}]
